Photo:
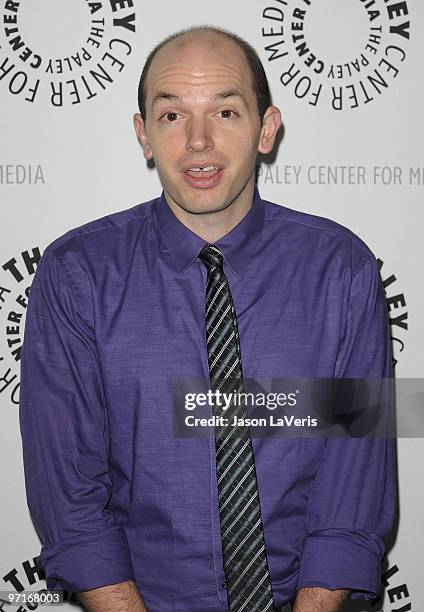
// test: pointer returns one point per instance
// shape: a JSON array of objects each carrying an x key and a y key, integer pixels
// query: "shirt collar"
[{"x": 237, "y": 246}]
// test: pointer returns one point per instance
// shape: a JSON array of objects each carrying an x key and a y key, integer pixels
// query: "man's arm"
[
  {"x": 353, "y": 496},
  {"x": 122, "y": 597},
  {"x": 65, "y": 436},
  {"x": 319, "y": 600}
]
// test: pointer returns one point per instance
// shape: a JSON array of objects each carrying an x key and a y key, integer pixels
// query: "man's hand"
[
  {"x": 121, "y": 597},
  {"x": 317, "y": 599}
]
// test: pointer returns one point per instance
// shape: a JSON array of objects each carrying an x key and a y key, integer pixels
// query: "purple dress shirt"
[{"x": 116, "y": 311}]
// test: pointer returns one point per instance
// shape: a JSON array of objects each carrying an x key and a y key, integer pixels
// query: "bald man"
[{"x": 211, "y": 281}]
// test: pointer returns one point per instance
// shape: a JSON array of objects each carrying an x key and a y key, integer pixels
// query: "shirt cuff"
[
  {"x": 88, "y": 562},
  {"x": 342, "y": 559}
]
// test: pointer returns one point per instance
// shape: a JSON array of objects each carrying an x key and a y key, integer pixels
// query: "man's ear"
[
  {"x": 142, "y": 136},
  {"x": 270, "y": 125}
]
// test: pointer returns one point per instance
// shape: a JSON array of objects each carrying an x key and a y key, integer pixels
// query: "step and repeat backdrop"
[{"x": 348, "y": 78}]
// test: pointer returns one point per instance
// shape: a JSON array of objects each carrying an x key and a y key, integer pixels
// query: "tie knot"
[{"x": 211, "y": 257}]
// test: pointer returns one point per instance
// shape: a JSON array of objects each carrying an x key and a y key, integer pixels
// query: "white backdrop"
[{"x": 351, "y": 97}]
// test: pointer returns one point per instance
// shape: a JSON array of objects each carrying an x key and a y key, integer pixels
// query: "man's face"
[{"x": 202, "y": 123}]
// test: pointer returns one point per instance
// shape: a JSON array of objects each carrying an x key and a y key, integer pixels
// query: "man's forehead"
[
  {"x": 212, "y": 96},
  {"x": 199, "y": 59}
]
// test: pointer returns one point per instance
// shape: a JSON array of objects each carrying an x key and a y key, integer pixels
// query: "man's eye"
[
  {"x": 170, "y": 116},
  {"x": 227, "y": 113}
]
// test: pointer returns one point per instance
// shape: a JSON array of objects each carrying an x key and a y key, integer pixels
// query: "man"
[{"x": 130, "y": 515}]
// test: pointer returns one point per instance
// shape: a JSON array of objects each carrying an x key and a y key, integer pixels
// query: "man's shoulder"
[
  {"x": 306, "y": 221},
  {"x": 319, "y": 232},
  {"x": 103, "y": 230}
]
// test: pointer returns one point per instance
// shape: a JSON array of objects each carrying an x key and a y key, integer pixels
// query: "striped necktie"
[{"x": 243, "y": 547}]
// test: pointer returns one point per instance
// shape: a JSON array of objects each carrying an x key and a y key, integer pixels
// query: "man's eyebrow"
[
  {"x": 221, "y": 95},
  {"x": 163, "y": 95}
]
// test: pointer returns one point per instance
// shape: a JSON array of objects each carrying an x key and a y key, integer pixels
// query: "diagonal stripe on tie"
[
  {"x": 223, "y": 347},
  {"x": 243, "y": 544},
  {"x": 216, "y": 294}
]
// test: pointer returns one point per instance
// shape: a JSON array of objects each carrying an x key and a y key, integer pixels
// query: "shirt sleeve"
[
  {"x": 352, "y": 502},
  {"x": 63, "y": 422}
]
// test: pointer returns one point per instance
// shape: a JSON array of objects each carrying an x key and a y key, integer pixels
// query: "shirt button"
[{"x": 224, "y": 585}]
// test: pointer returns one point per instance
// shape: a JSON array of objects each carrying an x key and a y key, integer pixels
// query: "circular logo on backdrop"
[
  {"x": 64, "y": 53},
  {"x": 15, "y": 283},
  {"x": 338, "y": 54},
  {"x": 398, "y": 311}
]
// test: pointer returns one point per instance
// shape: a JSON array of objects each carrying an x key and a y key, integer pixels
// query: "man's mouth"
[
  {"x": 203, "y": 177},
  {"x": 207, "y": 171}
]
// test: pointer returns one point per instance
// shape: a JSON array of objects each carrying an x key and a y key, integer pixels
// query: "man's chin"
[
  {"x": 209, "y": 206},
  {"x": 202, "y": 201}
]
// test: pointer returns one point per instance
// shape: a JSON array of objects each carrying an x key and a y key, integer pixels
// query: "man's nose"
[{"x": 199, "y": 135}]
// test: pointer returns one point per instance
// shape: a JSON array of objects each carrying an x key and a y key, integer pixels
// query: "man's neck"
[{"x": 213, "y": 226}]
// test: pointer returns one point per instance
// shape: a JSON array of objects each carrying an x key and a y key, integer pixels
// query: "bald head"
[
  {"x": 202, "y": 43},
  {"x": 188, "y": 38}
]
